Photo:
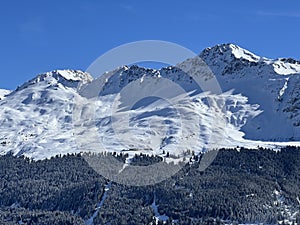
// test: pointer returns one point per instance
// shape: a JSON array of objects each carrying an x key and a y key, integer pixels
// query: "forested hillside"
[{"x": 240, "y": 186}]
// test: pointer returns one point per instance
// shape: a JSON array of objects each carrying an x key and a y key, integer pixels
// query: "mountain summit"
[
  {"x": 67, "y": 78},
  {"x": 228, "y": 52},
  {"x": 230, "y": 55}
]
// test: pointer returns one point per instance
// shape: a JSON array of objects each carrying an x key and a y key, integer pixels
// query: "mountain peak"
[
  {"x": 68, "y": 78},
  {"x": 229, "y": 58},
  {"x": 68, "y": 75},
  {"x": 229, "y": 51},
  {"x": 75, "y": 75}
]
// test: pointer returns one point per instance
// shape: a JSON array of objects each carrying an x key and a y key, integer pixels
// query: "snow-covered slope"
[
  {"x": 260, "y": 103},
  {"x": 3, "y": 93},
  {"x": 273, "y": 84},
  {"x": 36, "y": 119}
]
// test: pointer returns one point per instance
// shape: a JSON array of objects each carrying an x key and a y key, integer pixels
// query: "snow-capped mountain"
[
  {"x": 54, "y": 114},
  {"x": 273, "y": 84},
  {"x": 36, "y": 118}
]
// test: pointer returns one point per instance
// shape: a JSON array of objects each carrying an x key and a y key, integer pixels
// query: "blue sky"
[{"x": 39, "y": 36}]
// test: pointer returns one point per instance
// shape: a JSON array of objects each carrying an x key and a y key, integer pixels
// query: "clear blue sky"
[{"x": 39, "y": 36}]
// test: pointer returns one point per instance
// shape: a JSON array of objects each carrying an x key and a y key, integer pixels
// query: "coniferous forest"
[{"x": 240, "y": 186}]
